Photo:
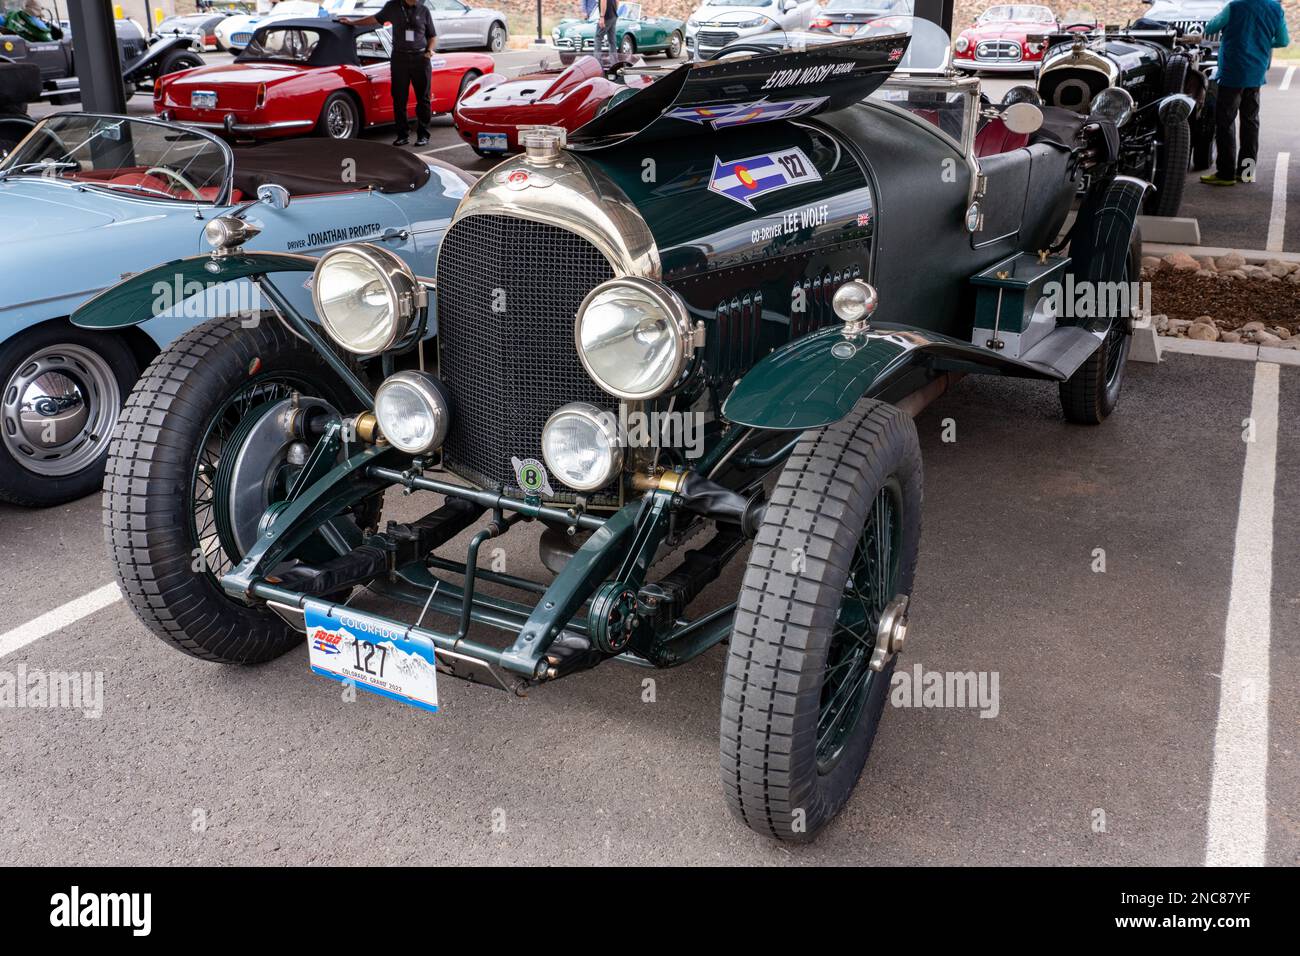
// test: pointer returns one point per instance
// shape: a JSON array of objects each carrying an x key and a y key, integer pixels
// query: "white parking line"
[
  {"x": 443, "y": 149},
  {"x": 1237, "y": 818},
  {"x": 1286, "y": 80},
  {"x": 60, "y": 617},
  {"x": 1277, "y": 218}
]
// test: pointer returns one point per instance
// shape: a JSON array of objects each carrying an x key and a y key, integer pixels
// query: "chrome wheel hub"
[
  {"x": 339, "y": 121},
  {"x": 891, "y": 632},
  {"x": 58, "y": 408}
]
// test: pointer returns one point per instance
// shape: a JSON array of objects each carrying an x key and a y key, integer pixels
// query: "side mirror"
[
  {"x": 275, "y": 196},
  {"x": 1023, "y": 117}
]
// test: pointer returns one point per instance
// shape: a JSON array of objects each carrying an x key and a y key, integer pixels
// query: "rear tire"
[
  {"x": 675, "y": 44},
  {"x": 628, "y": 45},
  {"x": 154, "y": 489},
  {"x": 1092, "y": 392},
  {"x": 179, "y": 60},
  {"x": 339, "y": 117},
  {"x": 789, "y": 758}
]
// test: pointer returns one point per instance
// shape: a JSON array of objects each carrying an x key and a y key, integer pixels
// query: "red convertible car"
[
  {"x": 1000, "y": 39},
  {"x": 493, "y": 108},
  {"x": 296, "y": 76}
]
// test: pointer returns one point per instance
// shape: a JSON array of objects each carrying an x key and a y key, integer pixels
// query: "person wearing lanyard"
[{"x": 413, "y": 43}]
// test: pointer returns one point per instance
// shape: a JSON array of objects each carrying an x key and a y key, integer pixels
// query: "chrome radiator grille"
[
  {"x": 508, "y": 290},
  {"x": 996, "y": 50}
]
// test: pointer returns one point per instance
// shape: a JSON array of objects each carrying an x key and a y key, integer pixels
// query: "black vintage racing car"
[
  {"x": 748, "y": 245},
  {"x": 142, "y": 60},
  {"x": 1161, "y": 70}
]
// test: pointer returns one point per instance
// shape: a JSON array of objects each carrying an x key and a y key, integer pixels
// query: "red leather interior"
[{"x": 994, "y": 137}]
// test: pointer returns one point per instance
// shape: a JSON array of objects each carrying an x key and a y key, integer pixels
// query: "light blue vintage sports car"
[{"x": 86, "y": 200}]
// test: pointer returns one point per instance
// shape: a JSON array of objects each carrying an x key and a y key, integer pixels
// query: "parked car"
[
  {"x": 143, "y": 62},
  {"x": 234, "y": 32},
  {"x": 635, "y": 33},
  {"x": 793, "y": 276},
  {"x": 844, "y": 17},
  {"x": 198, "y": 28},
  {"x": 1188, "y": 18},
  {"x": 715, "y": 23},
  {"x": 462, "y": 27},
  {"x": 1006, "y": 37},
  {"x": 494, "y": 109},
  {"x": 1162, "y": 76},
  {"x": 111, "y": 195},
  {"x": 20, "y": 84},
  {"x": 300, "y": 76},
  {"x": 1185, "y": 16}
]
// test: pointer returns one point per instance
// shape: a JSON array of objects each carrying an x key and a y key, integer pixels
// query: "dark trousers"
[
  {"x": 411, "y": 70},
  {"x": 605, "y": 30},
  {"x": 1231, "y": 101}
]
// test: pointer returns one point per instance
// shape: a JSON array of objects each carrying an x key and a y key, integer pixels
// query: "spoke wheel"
[
  {"x": 171, "y": 452},
  {"x": 219, "y": 556},
  {"x": 830, "y": 571},
  {"x": 872, "y": 583}
]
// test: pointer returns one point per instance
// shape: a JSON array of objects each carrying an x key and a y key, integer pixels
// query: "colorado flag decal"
[{"x": 746, "y": 179}]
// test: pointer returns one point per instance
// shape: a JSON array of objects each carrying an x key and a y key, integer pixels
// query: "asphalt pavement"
[
  {"x": 1099, "y": 745},
  {"x": 1096, "y": 574}
]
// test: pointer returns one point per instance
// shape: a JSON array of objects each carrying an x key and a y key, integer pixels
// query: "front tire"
[
  {"x": 496, "y": 40},
  {"x": 160, "y": 506},
  {"x": 1203, "y": 134},
  {"x": 838, "y": 543},
  {"x": 1173, "y": 157},
  {"x": 61, "y": 389}
]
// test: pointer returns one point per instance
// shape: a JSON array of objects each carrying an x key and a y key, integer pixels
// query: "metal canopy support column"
[
  {"x": 936, "y": 11},
  {"x": 95, "y": 54}
]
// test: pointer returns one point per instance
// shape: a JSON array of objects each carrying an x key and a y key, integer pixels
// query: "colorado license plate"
[
  {"x": 493, "y": 142},
  {"x": 373, "y": 657},
  {"x": 203, "y": 99}
]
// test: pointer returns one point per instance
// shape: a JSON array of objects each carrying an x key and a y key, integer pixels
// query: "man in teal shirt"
[{"x": 1251, "y": 30}]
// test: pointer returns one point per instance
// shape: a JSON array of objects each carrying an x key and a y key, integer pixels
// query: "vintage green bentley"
[{"x": 794, "y": 251}]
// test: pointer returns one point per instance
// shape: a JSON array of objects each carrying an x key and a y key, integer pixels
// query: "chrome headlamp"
[
  {"x": 227, "y": 234},
  {"x": 1114, "y": 104},
  {"x": 634, "y": 337},
  {"x": 580, "y": 445},
  {"x": 367, "y": 297},
  {"x": 413, "y": 412}
]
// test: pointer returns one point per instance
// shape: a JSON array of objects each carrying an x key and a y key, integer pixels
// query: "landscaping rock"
[
  {"x": 1279, "y": 268},
  {"x": 1179, "y": 326},
  {"x": 1151, "y": 263},
  {"x": 1181, "y": 262},
  {"x": 1230, "y": 262},
  {"x": 1253, "y": 327},
  {"x": 1229, "y": 336},
  {"x": 1266, "y": 338},
  {"x": 1202, "y": 332}
]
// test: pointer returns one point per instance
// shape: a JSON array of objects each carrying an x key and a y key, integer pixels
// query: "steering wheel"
[{"x": 177, "y": 178}]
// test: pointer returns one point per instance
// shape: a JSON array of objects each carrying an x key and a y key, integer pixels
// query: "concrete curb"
[
  {"x": 1241, "y": 351},
  {"x": 1250, "y": 255}
]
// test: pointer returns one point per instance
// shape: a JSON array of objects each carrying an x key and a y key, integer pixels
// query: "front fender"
[
  {"x": 816, "y": 380},
  {"x": 156, "y": 291},
  {"x": 155, "y": 52}
]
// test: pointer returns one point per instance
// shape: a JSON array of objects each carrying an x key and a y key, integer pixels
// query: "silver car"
[{"x": 460, "y": 26}]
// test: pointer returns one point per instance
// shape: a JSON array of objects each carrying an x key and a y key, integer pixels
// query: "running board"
[{"x": 1063, "y": 350}]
